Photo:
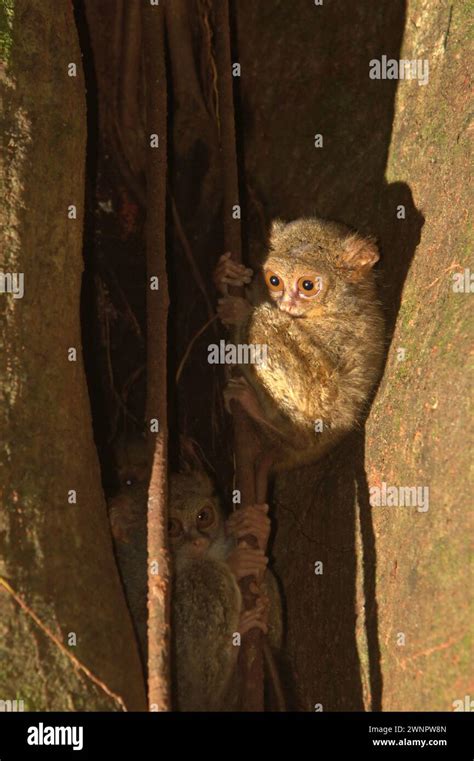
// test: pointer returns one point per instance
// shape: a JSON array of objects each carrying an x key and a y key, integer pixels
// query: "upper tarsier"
[{"x": 314, "y": 305}]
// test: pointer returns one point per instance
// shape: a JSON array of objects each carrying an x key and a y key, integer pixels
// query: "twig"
[
  {"x": 448, "y": 28},
  {"x": 80, "y": 666},
  {"x": 189, "y": 255},
  {"x": 190, "y": 346},
  {"x": 448, "y": 269}
]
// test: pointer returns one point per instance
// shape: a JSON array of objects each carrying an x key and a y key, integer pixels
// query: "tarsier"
[
  {"x": 207, "y": 619},
  {"x": 314, "y": 306}
]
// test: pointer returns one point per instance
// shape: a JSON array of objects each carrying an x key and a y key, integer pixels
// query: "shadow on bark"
[{"x": 318, "y": 83}]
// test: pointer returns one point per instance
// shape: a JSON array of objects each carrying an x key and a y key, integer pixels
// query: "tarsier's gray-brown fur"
[
  {"x": 206, "y": 599},
  {"x": 323, "y": 362},
  {"x": 207, "y": 604}
]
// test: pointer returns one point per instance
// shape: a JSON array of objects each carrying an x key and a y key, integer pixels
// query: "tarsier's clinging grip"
[
  {"x": 314, "y": 307},
  {"x": 207, "y": 619}
]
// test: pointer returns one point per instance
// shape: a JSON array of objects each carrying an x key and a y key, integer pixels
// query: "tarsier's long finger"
[
  {"x": 231, "y": 268},
  {"x": 254, "y": 562},
  {"x": 251, "y": 569},
  {"x": 260, "y": 535},
  {"x": 226, "y": 261},
  {"x": 235, "y": 280},
  {"x": 249, "y": 522},
  {"x": 251, "y": 557},
  {"x": 255, "y": 518},
  {"x": 254, "y": 618},
  {"x": 250, "y": 552},
  {"x": 239, "y": 383},
  {"x": 228, "y": 268},
  {"x": 260, "y": 510},
  {"x": 253, "y": 623}
]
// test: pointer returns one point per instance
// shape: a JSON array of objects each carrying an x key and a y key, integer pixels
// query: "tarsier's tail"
[{"x": 276, "y": 689}]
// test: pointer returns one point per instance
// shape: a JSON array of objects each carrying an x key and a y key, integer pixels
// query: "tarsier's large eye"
[
  {"x": 273, "y": 282},
  {"x": 205, "y": 517},
  {"x": 175, "y": 527},
  {"x": 309, "y": 286}
]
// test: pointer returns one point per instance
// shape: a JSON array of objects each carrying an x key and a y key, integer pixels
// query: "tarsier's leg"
[{"x": 240, "y": 389}]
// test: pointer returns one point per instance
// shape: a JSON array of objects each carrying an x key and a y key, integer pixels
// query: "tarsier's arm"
[
  {"x": 302, "y": 388},
  {"x": 235, "y": 311}
]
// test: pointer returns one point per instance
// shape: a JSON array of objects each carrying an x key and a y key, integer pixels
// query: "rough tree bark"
[
  {"x": 55, "y": 551},
  {"x": 157, "y": 323}
]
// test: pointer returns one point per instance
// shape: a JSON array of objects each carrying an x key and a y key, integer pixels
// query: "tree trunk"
[
  {"x": 385, "y": 625},
  {"x": 56, "y": 549}
]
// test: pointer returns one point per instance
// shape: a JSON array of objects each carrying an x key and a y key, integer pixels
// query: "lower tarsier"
[{"x": 314, "y": 305}]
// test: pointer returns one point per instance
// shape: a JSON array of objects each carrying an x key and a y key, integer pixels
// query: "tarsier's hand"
[
  {"x": 257, "y": 617},
  {"x": 245, "y": 561},
  {"x": 240, "y": 390},
  {"x": 252, "y": 520},
  {"x": 228, "y": 272},
  {"x": 233, "y": 310}
]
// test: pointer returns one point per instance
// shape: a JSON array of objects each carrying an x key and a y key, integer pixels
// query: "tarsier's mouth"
[
  {"x": 293, "y": 311},
  {"x": 194, "y": 551}
]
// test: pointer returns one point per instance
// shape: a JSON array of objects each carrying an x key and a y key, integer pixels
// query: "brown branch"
[
  {"x": 129, "y": 78},
  {"x": 245, "y": 444},
  {"x": 157, "y": 316},
  {"x": 77, "y": 663}
]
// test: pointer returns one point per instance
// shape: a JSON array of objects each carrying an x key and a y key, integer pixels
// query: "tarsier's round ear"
[
  {"x": 191, "y": 456},
  {"x": 276, "y": 226},
  {"x": 188, "y": 455},
  {"x": 358, "y": 256}
]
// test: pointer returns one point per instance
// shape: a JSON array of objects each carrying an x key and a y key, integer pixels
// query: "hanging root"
[{"x": 190, "y": 346}]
